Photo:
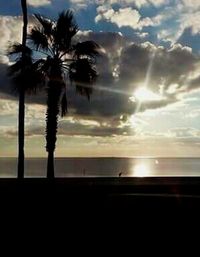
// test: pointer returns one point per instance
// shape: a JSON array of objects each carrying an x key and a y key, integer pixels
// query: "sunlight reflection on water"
[
  {"x": 144, "y": 168},
  {"x": 141, "y": 170}
]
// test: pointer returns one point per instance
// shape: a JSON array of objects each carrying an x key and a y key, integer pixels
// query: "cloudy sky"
[{"x": 146, "y": 101}]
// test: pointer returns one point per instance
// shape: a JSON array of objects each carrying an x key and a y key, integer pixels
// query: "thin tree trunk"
[
  {"x": 22, "y": 100},
  {"x": 50, "y": 165},
  {"x": 25, "y": 22},
  {"x": 21, "y": 135}
]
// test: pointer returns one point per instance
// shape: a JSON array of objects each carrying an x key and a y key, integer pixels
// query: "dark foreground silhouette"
[
  {"x": 83, "y": 195},
  {"x": 89, "y": 214},
  {"x": 66, "y": 63}
]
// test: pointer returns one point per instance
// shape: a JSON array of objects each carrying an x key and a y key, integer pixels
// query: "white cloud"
[
  {"x": 7, "y": 107},
  {"x": 140, "y": 3},
  {"x": 190, "y": 20},
  {"x": 80, "y": 4},
  {"x": 11, "y": 31},
  {"x": 195, "y": 113},
  {"x": 37, "y": 3},
  {"x": 131, "y": 17},
  {"x": 159, "y": 2},
  {"x": 142, "y": 34},
  {"x": 125, "y": 17},
  {"x": 191, "y": 3},
  {"x": 122, "y": 3},
  {"x": 181, "y": 132},
  {"x": 185, "y": 15},
  {"x": 156, "y": 3}
]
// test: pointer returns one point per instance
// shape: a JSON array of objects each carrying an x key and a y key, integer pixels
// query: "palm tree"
[
  {"x": 22, "y": 99},
  {"x": 26, "y": 79},
  {"x": 21, "y": 50},
  {"x": 62, "y": 59}
]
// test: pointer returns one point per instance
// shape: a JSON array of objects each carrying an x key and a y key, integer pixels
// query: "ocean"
[{"x": 105, "y": 167}]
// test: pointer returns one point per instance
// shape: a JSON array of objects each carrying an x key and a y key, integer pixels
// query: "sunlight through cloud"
[{"x": 143, "y": 94}]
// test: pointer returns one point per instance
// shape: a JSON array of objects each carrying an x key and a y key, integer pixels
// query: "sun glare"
[
  {"x": 143, "y": 94},
  {"x": 141, "y": 170}
]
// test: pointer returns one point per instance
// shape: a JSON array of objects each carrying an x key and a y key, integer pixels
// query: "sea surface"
[{"x": 105, "y": 167}]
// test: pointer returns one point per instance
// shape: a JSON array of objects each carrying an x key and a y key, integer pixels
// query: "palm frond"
[
  {"x": 66, "y": 28},
  {"x": 83, "y": 74},
  {"x": 21, "y": 62},
  {"x": 30, "y": 81},
  {"x": 88, "y": 48},
  {"x": 26, "y": 76},
  {"x": 15, "y": 68},
  {"x": 18, "y": 48},
  {"x": 34, "y": 78},
  {"x": 39, "y": 39},
  {"x": 42, "y": 66},
  {"x": 46, "y": 23}
]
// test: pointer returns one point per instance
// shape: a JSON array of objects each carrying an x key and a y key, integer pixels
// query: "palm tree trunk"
[
  {"x": 21, "y": 114},
  {"x": 50, "y": 165},
  {"x": 53, "y": 98},
  {"x": 25, "y": 21}
]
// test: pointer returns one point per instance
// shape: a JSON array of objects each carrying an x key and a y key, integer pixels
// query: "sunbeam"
[{"x": 146, "y": 83}]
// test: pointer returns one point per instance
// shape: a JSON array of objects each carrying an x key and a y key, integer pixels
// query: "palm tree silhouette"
[
  {"x": 17, "y": 68},
  {"x": 61, "y": 59},
  {"x": 26, "y": 79}
]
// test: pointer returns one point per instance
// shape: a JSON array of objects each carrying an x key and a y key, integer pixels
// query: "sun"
[{"x": 143, "y": 94}]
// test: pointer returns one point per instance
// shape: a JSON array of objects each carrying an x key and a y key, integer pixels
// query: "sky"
[{"x": 146, "y": 101}]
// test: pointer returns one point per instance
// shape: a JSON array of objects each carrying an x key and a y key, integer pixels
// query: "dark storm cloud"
[
  {"x": 161, "y": 68},
  {"x": 67, "y": 128},
  {"x": 6, "y": 88},
  {"x": 131, "y": 63},
  {"x": 194, "y": 84},
  {"x": 165, "y": 66},
  {"x": 78, "y": 129},
  {"x": 110, "y": 41}
]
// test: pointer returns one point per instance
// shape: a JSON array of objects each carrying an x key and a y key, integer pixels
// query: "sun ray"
[{"x": 147, "y": 77}]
